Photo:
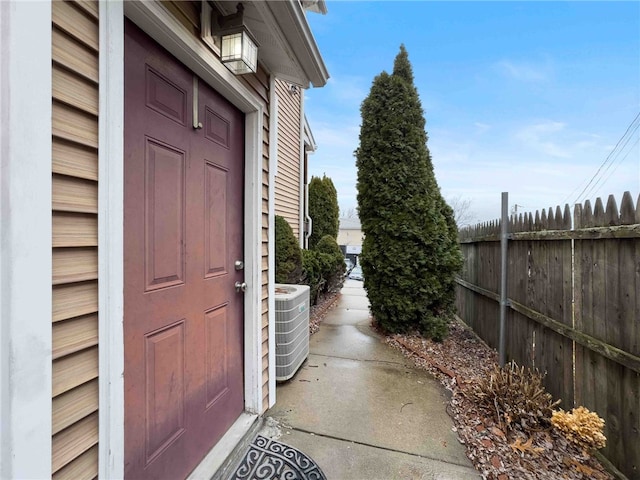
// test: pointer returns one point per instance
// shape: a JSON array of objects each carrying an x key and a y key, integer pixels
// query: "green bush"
[
  {"x": 332, "y": 262},
  {"x": 288, "y": 253},
  {"x": 323, "y": 209},
  {"x": 410, "y": 253},
  {"x": 312, "y": 273}
]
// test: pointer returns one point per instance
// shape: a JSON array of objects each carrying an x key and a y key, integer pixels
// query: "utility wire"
[
  {"x": 606, "y": 160},
  {"x": 614, "y": 169},
  {"x": 614, "y": 159}
]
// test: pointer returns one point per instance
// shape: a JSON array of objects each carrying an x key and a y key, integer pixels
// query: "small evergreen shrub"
[
  {"x": 333, "y": 266},
  {"x": 312, "y": 274},
  {"x": 288, "y": 253}
]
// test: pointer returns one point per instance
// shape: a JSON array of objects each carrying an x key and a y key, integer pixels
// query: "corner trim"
[
  {"x": 25, "y": 240},
  {"x": 111, "y": 240},
  {"x": 273, "y": 168}
]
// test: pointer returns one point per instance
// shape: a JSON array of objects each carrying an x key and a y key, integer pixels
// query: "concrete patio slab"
[
  {"x": 357, "y": 342},
  {"x": 388, "y": 405},
  {"x": 340, "y": 459},
  {"x": 360, "y": 410}
]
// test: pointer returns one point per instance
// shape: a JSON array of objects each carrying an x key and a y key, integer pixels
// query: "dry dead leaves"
[
  {"x": 458, "y": 362},
  {"x": 525, "y": 447}
]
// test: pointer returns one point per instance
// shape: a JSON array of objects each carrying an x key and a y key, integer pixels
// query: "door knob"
[{"x": 241, "y": 287}]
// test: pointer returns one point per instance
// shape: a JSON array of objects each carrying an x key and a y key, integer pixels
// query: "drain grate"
[{"x": 270, "y": 460}]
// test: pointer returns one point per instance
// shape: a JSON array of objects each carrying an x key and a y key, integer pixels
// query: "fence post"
[{"x": 503, "y": 276}]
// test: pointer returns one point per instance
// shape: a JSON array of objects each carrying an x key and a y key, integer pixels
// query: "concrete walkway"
[{"x": 360, "y": 410}]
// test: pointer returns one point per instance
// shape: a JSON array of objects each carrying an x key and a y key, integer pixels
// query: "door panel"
[
  {"x": 217, "y": 253},
  {"x": 183, "y": 319},
  {"x": 164, "y": 215},
  {"x": 165, "y": 96},
  {"x": 165, "y": 388},
  {"x": 217, "y": 337}
]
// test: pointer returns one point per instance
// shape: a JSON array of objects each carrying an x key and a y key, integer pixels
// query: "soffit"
[{"x": 286, "y": 45}]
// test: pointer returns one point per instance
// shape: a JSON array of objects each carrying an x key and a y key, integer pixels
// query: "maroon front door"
[{"x": 183, "y": 217}]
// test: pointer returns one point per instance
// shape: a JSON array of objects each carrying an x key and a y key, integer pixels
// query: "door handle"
[{"x": 241, "y": 287}]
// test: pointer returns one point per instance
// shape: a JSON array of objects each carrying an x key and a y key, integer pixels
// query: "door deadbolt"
[{"x": 239, "y": 265}]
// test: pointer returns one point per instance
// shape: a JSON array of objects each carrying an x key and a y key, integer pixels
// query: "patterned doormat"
[{"x": 270, "y": 460}]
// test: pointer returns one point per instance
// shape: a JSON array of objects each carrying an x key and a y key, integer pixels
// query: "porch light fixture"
[{"x": 238, "y": 48}]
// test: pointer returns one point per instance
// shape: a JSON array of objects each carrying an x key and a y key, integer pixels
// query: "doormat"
[{"x": 270, "y": 460}]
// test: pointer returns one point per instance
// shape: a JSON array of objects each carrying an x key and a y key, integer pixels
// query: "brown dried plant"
[
  {"x": 582, "y": 427},
  {"x": 516, "y": 397}
]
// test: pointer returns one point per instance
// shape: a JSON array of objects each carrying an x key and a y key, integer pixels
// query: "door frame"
[{"x": 160, "y": 25}]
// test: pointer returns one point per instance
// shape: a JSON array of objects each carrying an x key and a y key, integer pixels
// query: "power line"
[
  {"x": 611, "y": 154},
  {"x": 606, "y": 160},
  {"x": 593, "y": 189}
]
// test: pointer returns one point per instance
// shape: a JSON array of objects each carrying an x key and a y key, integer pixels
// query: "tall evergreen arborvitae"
[
  {"x": 410, "y": 253},
  {"x": 323, "y": 209}
]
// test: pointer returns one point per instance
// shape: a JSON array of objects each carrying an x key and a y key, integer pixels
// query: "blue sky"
[{"x": 524, "y": 97}]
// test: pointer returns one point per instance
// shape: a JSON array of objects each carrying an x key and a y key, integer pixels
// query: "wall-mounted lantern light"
[{"x": 238, "y": 48}]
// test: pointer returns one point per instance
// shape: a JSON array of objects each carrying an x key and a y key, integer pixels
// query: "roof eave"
[
  {"x": 291, "y": 20},
  {"x": 309, "y": 142}
]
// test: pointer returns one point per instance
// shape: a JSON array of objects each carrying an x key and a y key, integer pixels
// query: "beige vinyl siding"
[
  {"x": 82, "y": 468},
  {"x": 260, "y": 84},
  {"x": 75, "y": 239},
  {"x": 188, "y": 14},
  {"x": 287, "y": 195}
]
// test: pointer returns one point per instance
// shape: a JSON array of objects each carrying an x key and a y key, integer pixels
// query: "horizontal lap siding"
[
  {"x": 188, "y": 14},
  {"x": 287, "y": 195},
  {"x": 260, "y": 84},
  {"x": 75, "y": 239}
]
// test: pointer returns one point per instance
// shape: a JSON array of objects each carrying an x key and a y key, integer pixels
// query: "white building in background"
[{"x": 350, "y": 238}]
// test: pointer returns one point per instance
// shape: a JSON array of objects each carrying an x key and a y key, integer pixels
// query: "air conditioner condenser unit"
[{"x": 292, "y": 329}]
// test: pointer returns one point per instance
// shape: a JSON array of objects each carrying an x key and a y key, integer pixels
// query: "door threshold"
[{"x": 221, "y": 459}]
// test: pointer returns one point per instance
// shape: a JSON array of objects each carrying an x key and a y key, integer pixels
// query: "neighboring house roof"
[
  {"x": 350, "y": 224},
  {"x": 285, "y": 42}
]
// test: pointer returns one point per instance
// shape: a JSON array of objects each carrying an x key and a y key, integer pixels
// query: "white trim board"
[
  {"x": 301, "y": 181},
  {"x": 110, "y": 241},
  {"x": 273, "y": 170},
  {"x": 162, "y": 27},
  {"x": 218, "y": 454},
  {"x": 25, "y": 240}
]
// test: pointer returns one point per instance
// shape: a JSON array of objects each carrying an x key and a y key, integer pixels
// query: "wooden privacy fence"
[{"x": 573, "y": 298}]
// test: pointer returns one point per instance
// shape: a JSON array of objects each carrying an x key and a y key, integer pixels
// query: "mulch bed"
[
  {"x": 458, "y": 362},
  {"x": 320, "y": 310}
]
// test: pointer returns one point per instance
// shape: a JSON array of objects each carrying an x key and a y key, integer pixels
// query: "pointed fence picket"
[{"x": 573, "y": 288}]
